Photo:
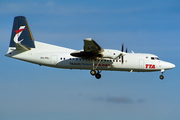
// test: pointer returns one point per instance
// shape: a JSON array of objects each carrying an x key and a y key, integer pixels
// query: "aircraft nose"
[
  {"x": 168, "y": 65},
  {"x": 172, "y": 65}
]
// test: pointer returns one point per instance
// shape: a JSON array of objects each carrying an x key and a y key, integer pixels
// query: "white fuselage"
[{"x": 59, "y": 57}]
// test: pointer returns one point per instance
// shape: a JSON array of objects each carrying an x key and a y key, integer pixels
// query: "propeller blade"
[
  {"x": 122, "y": 47},
  {"x": 122, "y": 59},
  {"x": 122, "y": 54}
]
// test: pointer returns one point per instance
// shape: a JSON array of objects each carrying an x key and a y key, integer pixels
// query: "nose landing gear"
[{"x": 161, "y": 76}]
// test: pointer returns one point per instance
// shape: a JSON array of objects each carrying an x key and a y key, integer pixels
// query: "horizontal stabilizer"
[{"x": 22, "y": 47}]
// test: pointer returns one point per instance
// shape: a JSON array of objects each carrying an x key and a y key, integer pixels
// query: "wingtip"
[{"x": 88, "y": 39}]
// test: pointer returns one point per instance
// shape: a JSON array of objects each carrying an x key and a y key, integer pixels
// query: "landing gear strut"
[{"x": 161, "y": 76}]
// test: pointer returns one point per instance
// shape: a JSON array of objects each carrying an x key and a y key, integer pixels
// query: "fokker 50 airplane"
[{"x": 92, "y": 57}]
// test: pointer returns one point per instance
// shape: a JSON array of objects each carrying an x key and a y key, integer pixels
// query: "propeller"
[{"x": 122, "y": 54}]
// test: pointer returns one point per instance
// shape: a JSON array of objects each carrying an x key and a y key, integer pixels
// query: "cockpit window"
[
  {"x": 152, "y": 58},
  {"x": 155, "y": 58}
]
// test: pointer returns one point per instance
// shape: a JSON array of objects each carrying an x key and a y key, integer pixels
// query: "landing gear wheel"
[
  {"x": 98, "y": 76},
  {"x": 93, "y": 72},
  {"x": 161, "y": 77}
]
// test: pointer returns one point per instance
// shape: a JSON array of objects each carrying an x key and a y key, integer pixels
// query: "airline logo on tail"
[{"x": 18, "y": 33}]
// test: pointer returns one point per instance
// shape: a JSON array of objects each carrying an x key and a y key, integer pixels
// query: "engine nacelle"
[{"x": 110, "y": 54}]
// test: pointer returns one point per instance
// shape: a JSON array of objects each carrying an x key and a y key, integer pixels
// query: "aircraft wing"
[
  {"x": 91, "y": 50},
  {"x": 91, "y": 46}
]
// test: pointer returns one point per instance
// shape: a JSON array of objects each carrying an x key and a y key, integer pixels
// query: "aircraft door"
[
  {"x": 54, "y": 59},
  {"x": 141, "y": 63}
]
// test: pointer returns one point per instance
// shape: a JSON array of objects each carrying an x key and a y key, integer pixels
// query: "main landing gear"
[
  {"x": 161, "y": 76},
  {"x": 96, "y": 74},
  {"x": 93, "y": 71}
]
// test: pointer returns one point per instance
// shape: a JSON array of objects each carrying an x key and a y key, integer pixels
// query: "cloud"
[
  {"x": 119, "y": 100},
  {"x": 140, "y": 100}
]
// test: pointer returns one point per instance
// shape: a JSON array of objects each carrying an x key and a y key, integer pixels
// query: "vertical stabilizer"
[{"x": 21, "y": 37}]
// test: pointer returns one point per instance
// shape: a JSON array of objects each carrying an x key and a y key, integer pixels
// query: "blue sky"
[{"x": 28, "y": 91}]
